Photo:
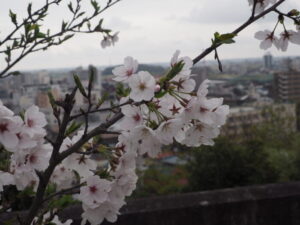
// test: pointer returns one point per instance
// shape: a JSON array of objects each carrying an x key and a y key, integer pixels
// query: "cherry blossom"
[
  {"x": 286, "y": 37},
  {"x": 95, "y": 192},
  {"x": 34, "y": 121},
  {"x": 9, "y": 127},
  {"x": 142, "y": 86},
  {"x": 132, "y": 117},
  {"x": 168, "y": 130},
  {"x": 268, "y": 39},
  {"x": 6, "y": 179},
  {"x": 123, "y": 73},
  {"x": 106, "y": 42},
  {"x": 188, "y": 63},
  {"x": 146, "y": 141}
]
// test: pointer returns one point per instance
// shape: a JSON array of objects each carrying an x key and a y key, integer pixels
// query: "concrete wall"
[{"x": 272, "y": 204}]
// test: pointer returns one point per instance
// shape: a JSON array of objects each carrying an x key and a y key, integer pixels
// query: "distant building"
[
  {"x": 268, "y": 61},
  {"x": 287, "y": 86},
  {"x": 242, "y": 119}
]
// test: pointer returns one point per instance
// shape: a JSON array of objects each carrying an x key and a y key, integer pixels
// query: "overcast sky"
[{"x": 151, "y": 30}]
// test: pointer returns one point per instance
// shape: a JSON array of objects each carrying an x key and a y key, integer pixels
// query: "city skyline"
[{"x": 153, "y": 35}]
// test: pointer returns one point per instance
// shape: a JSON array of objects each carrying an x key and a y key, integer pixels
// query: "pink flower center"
[
  {"x": 3, "y": 127},
  {"x": 142, "y": 86},
  {"x": 30, "y": 123},
  {"x": 137, "y": 117},
  {"x": 203, "y": 110},
  {"x": 129, "y": 72},
  {"x": 32, "y": 158},
  {"x": 93, "y": 189},
  {"x": 19, "y": 136}
]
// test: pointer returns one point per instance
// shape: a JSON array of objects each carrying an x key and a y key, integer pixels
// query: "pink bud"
[{"x": 157, "y": 88}]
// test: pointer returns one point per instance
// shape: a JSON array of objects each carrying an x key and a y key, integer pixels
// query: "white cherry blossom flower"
[
  {"x": 95, "y": 192},
  {"x": 56, "y": 221},
  {"x": 268, "y": 39},
  {"x": 261, "y": 4},
  {"x": 188, "y": 62},
  {"x": 38, "y": 157},
  {"x": 106, "y": 42},
  {"x": 6, "y": 179},
  {"x": 132, "y": 117},
  {"x": 115, "y": 38},
  {"x": 9, "y": 127},
  {"x": 168, "y": 130},
  {"x": 80, "y": 163},
  {"x": 142, "y": 86},
  {"x": 108, "y": 210},
  {"x": 124, "y": 73},
  {"x": 221, "y": 114},
  {"x": 62, "y": 177},
  {"x": 286, "y": 37},
  {"x": 4, "y": 111},
  {"x": 34, "y": 121},
  {"x": 125, "y": 182},
  {"x": 146, "y": 140},
  {"x": 204, "y": 109},
  {"x": 203, "y": 88}
]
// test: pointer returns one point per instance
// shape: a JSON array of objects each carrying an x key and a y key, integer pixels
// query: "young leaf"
[
  {"x": 13, "y": 17},
  {"x": 72, "y": 128},
  {"x": 29, "y": 8},
  {"x": 70, "y": 6},
  {"x": 102, "y": 99},
  {"x": 51, "y": 99},
  {"x": 79, "y": 85},
  {"x": 95, "y": 6}
]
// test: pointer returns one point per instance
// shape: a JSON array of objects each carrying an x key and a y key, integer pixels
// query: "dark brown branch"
[
  {"x": 64, "y": 191},
  {"x": 101, "y": 110}
]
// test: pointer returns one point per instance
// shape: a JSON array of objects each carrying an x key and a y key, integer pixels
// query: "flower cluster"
[
  {"x": 109, "y": 40},
  {"x": 261, "y": 5},
  {"x": 160, "y": 111},
  {"x": 156, "y": 112},
  {"x": 24, "y": 138},
  {"x": 268, "y": 39}
]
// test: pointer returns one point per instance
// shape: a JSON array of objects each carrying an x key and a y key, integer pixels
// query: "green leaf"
[
  {"x": 51, "y": 99},
  {"x": 102, "y": 99},
  {"x": 15, "y": 73},
  {"x": 160, "y": 94},
  {"x": 63, "y": 25},
  {"x": 172, "y": 73},
  {"x": 223, "y": 38},
  {"x": 62, "y": 202},
  {"x": 67, "y": 37},
  {"x": 29, "y": 7},
  {"x": 70, "y": 6},
  {"x": 13, "y": 17},
  {"x": 95, "y": 6},
  {"x": 121, "y": 90},
  {"x": 40, "y": 35},
  {"x": 80, "y": 14},
  {"x": 79, "y": 85},
  {"x": 15, "y": 44},
  {"x": 294, "y": 12},
  {"x": 281, "y": 19},
  {"x": 72, "y": 128}
]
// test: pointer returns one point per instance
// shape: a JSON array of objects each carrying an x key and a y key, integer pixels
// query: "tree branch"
[{"x": 238, "y": 30}]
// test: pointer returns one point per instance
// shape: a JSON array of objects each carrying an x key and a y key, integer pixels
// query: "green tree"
[{"x": 228, "y": 164}]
